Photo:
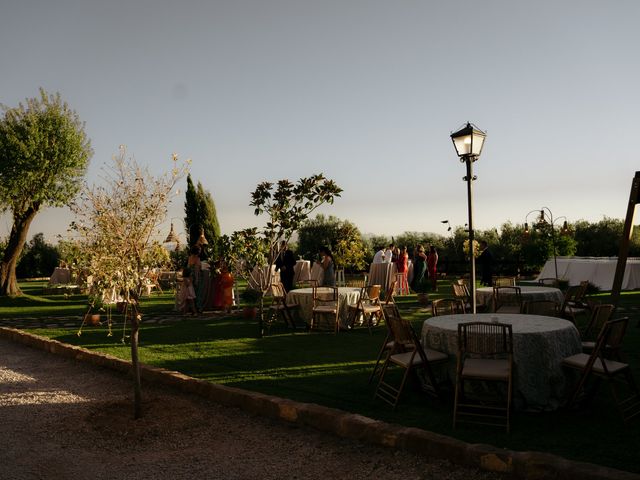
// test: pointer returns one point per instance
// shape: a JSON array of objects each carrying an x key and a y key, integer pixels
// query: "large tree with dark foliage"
[{"x": 44, "y": 153}]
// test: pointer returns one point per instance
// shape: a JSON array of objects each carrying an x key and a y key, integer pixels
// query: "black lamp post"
[
  {"x": 468, "y": 142},
  {"x": 545, "y": 217}
]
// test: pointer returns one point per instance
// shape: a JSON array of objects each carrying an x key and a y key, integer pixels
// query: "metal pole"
[
  {"x": 472, "y": 283},
  {"x": 553, "y": 241}
]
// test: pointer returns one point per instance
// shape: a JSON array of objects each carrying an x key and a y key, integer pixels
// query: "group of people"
[
  {"x": 196, "y": 294},
  {"x": 425, "y": 265}
]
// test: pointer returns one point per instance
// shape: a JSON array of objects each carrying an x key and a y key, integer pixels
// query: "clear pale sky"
[{"x": 365, "y": 91}]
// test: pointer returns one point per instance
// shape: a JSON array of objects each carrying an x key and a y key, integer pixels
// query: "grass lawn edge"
[{"x": 526, "y": 465}]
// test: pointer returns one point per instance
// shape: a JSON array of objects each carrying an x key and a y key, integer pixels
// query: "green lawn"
[{"x": 333, "y": 370}]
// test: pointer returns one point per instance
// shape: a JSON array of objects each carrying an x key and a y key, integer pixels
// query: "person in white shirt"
[
  {"x": 388, "y": 254},
  {"x": 379, "y": 256}
]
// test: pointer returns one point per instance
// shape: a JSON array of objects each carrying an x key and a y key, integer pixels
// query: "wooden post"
[{"x": 625, "y": 240}]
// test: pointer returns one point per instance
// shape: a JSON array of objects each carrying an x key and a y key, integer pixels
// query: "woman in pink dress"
[{"x": 402, "y": 266}]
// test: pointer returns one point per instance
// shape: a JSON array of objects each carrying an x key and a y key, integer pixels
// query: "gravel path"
[{"x": 65, "y": 420}]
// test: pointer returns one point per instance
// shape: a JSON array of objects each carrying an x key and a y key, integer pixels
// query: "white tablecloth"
[
  {"x": 302, "y": 271},
  {"x": 304, "y": 298},
  {"x": 484, "y": 295},
  {"x": 598, "y": 270},
  {"x": 60, "y": 276},
  {"x": 260, "y": 277},
  {"x": 539, "y": 345},
  {"x": 382, "y": 274}
]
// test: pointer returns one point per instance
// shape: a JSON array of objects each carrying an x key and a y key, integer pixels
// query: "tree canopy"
[{"x": 44, "y": 154}]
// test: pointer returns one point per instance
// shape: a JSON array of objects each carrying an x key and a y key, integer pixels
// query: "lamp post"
[
  {"x": 468, "y": 142},
  {"x": 545, "y": 217}
]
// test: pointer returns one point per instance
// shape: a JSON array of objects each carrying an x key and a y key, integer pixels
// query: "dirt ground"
[{"x": 67, "y": 420}]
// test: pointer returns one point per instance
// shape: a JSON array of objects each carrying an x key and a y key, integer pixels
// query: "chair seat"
[
  {"x": 325, "y": 309},
  {"x": 486, "y": 368},
  {"x": 404, "y": 359},
  {"x": 580, "y": 360}
]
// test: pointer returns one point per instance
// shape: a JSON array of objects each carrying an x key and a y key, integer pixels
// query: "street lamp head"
[{"x": 468, "y": 141}]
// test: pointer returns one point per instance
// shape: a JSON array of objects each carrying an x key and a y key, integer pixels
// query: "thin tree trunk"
[
  {"x": 135, "y": 363},
  {"x": 17, "y": 239}
]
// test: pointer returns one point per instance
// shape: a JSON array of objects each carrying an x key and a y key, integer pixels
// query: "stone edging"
[{"x": 524, "y": 465}]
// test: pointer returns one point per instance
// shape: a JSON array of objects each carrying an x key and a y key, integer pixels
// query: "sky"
[{"x": 365, "y": 91}]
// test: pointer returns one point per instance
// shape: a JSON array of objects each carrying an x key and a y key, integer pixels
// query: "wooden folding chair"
[
  {"x": 409, "y": 355},
  {"x": 280, "y": 308},
  {"x": 367, "y": 307},
  {"x": 507, "y": 299},
  {"x": 325, "y": 304},
  {"x": 447, "y": 306},
  {"x": 597, "y": 366},
  {"x": 547, "y": 308},
  {"x": 461, "y": 292},
  {"x": 389, "y": 309},
  {"x": 504, "y": 282},
  {"x": 600, "y": 314},
  {"x": 574, "y": 302},
  {"x": 485, "y": 354}
]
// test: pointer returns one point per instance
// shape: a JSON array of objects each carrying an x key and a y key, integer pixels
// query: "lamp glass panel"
[
  {"x": 476, "y": 144},
  {"x": 462, "y": 144}
]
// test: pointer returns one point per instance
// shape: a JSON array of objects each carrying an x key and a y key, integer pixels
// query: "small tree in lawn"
[
  {"x": 117, "y": 222},
  {"x": 287, "y": 205}
]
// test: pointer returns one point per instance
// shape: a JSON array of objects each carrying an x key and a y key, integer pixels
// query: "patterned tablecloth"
[
  {"x": 539, "y": 345},
  {"x": 304, "y": 298},
  {"x": 484, "y": 295}
]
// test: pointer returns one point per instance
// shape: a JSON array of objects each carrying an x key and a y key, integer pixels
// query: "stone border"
[{"x": 522, "y": 465}]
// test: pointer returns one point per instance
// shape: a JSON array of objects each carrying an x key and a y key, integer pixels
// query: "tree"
[
  {"x": 208, "y": 217},
  {"x": 341, "y": 236},
  {"x": 39, "y": 258},
  {"x": 44, "y": 153},
  {"x": 200, "y": 213},
  {"x": 287, "y": 205},
  {"x": 117, "y": 223}
]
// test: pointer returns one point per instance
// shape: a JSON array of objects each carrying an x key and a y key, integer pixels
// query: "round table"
[
  {"x": 539, "y": 346},
  {"x": 304, "y": 298},
  {"x": 484, "y": 295}
]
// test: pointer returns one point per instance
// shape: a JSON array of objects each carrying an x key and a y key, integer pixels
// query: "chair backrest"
[
  {"x": 372, "y": 292},
  {"x": 324, "y": 294},
  {"x": 504, "y": 282},
  {"x": 599, "y": 315},
  {"x": 390, "y": 310},
  {"x": 447, "y": 306},
  {"x": 609, "y": 339},
  {"x": 484, "y": 338},
  {"x": 548, "y": 308},
  {"x": 549, "y": 282},
  {"x": 506, "y": 295},
  {"x": 401, "y": 331},
  {"x": 460, "y": 291},
  {"x": 461, "y": 281},
  {"x": 277, "y": 291}
]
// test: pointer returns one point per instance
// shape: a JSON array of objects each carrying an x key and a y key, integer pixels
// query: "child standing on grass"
[{"x": 188, "y": 293}]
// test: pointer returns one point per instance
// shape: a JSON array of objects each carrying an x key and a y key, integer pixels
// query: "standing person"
[
  {"x": 402, "y": 266},
  {"x": 285, "y": 263},
  {"x": 388, "y": 254},
  {"x": 419, "y": 269},
  {"x": 195, "y": 266},
  {"x": 187, "y": 293},
  {"x": 486, "y": 263},
  {"x": 326, "y": 262},
  {"x": 432, "y": 266},
  {"x": 379, "y": 256}
]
